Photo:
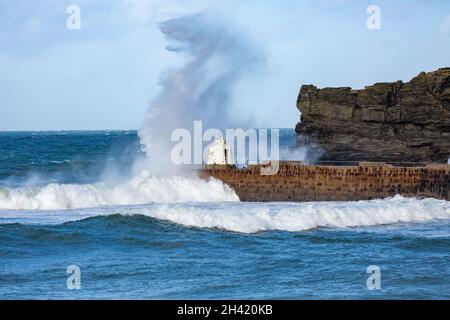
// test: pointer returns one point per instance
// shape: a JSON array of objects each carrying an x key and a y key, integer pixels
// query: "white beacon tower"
[{"x": 220, "y": 153}]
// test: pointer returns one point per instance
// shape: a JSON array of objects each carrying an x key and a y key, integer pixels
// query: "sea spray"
[
  {"x": 202, "y": 89},
  {"x": 142, "y": 189}
]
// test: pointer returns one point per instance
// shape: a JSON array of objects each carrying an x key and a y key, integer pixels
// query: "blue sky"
[{"x": 105, "y": 75}]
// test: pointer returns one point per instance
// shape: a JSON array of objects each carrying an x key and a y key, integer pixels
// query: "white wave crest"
[
  {"x": 142, "y": 189},
  {"x": 294, "y": 217}
]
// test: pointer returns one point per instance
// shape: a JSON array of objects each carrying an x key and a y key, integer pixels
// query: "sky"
[{"x": 106, "y": 74}]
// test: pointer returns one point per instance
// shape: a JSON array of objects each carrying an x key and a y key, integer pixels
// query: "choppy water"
[{"x": 74, "y": 198}]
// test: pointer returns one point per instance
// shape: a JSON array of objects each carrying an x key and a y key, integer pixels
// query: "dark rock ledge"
[{"x": 389, "y": 122}]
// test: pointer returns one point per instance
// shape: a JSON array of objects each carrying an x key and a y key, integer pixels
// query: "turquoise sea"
[{"x": 77, "y": 199}]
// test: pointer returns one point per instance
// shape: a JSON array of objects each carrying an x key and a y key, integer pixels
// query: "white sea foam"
[
  {"x": 142, "y": 189},
  {"x": 255, "y": 217},
  {"x": 205, "y": 204},
  {"x": 250, "y": 218}
]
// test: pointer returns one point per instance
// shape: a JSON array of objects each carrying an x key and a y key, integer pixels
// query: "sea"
[{"x": 80, "y": 220}]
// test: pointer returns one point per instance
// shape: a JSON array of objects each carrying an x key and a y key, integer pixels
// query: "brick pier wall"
[{"x": 298, "y": 182}]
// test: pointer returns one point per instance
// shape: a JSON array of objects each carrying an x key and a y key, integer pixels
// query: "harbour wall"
[{"x": 297, "y": 182}]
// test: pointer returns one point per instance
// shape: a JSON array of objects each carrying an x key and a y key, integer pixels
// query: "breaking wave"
[
  {"x": 256, "y": 217},
  {"x": 251, "y": 218},
  {"x": 142, "y": 189}
]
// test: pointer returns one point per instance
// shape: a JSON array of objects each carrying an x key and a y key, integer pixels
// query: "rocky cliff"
[{"x": 390, "y": 122}]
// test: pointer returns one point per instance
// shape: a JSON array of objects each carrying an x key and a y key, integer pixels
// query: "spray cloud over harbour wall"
[{"x": 200, "y": 90}]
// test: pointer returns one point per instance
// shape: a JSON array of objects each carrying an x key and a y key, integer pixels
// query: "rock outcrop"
[{"x": 389, "y": 122}]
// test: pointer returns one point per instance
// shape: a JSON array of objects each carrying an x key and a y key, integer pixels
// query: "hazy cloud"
[{"x": 445, "y": 27}]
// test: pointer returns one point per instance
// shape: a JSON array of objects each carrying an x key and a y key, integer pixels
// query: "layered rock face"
[{"x": 389, "y": 122}]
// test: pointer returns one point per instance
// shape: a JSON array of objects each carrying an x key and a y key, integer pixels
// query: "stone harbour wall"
[{"x": 366, "y": 181}]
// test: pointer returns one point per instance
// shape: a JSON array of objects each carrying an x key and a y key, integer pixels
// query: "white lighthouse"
[{"x": 220, "y": 153}]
